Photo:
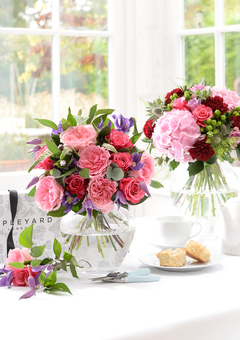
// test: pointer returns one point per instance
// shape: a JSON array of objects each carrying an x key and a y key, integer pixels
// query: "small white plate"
[
  {"x": 151, "y": 260},
  {"x": 164, "y": 246}
]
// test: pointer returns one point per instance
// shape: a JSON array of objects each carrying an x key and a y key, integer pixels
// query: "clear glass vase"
[
  {"x": 99, "y": 244},
  {"x": 201, "y": 195}
]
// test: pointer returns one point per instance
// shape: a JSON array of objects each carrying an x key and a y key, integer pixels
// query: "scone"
[
  {"x": 172, "y": 258},
  {"x": 197, "y": 251}
]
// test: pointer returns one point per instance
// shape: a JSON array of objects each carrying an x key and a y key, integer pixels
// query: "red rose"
[
  {"x": 131, "y": 189},
  {"x": 122, "y": 159},
  {"x": 20, "y": 276},
  {"x": 235, "y": 122},
  {"x": 216, "y": 103},
  {"x": 46, "y": 163},
  {"x": 76, "y": 185},
  {"x": 149, "y": 128},
  {"x": 178, "y": 91},
  {"x": 201, "y": 150},
  {"x": 119, "y": 139}
]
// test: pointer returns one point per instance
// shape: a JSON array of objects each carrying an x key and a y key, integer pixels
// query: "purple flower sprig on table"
[
  {"x": 6, "y": 280},
  {"x": 121, "y": 123}
]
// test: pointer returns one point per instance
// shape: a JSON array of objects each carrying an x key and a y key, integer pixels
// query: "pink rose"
[
  {"x": 229, "y": 97},
  {"x": 100, "y": 191},
  {"x": 96, "y": 159},
  {"x": 49, "y": 194},
  {"x": 180, "y": 104},
  {"x": 175, "y": 133},
  {"x": 45, "y": 164},
  {"x": 79, "y": 136},
  {"x": 20, "y": 276},
  {"x": 119, "y": 139},
  {"x": 131, "y": 189},
  {"x": 202, "y": 113},
  {"x": 147, "y": 172},
  {"x": 123, "y": 160},
  {"x": 17, "y": 255}
]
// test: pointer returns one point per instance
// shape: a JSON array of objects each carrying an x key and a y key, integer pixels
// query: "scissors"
[{"x": 139, "y": 275}]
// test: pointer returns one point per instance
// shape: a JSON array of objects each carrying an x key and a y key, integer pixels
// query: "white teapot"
[{"x": 229, "y": 219}]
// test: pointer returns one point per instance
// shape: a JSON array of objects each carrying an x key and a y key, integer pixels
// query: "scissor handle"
[
  {"x": 139, "y": 272},
  {"x": 143, "y": 278}
]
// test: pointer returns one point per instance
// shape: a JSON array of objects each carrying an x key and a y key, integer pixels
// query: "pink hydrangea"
[
  {"x": 147, "y": 172},
  {"x": 175, "y": 133},
  {"x": 79, "y": 136},
  {"x": 96, "y": 159},
  {"x": 49, "y": 194},
  {"x": 229, "y": 97}
]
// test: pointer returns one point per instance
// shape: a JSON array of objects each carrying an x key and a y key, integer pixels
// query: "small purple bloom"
[
  {"x": 144, "y": 188},
  {"x": 32, "y": 291},
  {"x": 120, "y": 199},
  {"x": 35, "y": 141},
  {"x": 89, "y": 206},
  {"x": 136, "y": 165},
  {"x": 59, "y": 129},
  {"x": 193, "y": 103},
  {"x": 35, "y": 149},
  {"x": 32, "y": 182},
  {"x": 6, "y": 280},
  {"x": 68, "y": 200},
  {"x": 101, "y": 125},
  {"x": 121, "y": 123}
]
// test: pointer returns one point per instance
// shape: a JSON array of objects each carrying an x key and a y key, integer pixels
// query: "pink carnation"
[
  {"x": 79, "y": 136},
  {"x": 17, "y": 255},
  {"x": 49, "y": 194},
  {"x": 229, "y": 97},
  {"x": 147, "y": 172},
  {"x": 202, "y": 113},
  {"x": 45, "y": 164},
  {"x": 180, "y": 103},
  {"x": 96, "y": 159},
  {"x": 175, "y": 133},
  {"x": 100, "y": 191}
]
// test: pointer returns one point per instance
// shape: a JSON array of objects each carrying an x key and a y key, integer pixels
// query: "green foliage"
[
  {"x": 25, "y": 238},
  {"x": 195, "y": 167}
]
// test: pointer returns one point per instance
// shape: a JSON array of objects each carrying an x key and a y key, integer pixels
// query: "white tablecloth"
[{"x": 203, "y": 304}]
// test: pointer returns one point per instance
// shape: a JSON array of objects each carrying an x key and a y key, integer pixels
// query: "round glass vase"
[
  {"x": 99, "y": 244},
  {"x": 201, "y": 195}
]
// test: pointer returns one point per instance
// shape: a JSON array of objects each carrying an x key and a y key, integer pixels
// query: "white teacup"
[{"x": 176, "y": 230}]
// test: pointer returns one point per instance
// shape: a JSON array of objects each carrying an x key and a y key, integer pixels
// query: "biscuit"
[
  {"x": 197, "y": 251},
  {"x": 172, "y": 258}
]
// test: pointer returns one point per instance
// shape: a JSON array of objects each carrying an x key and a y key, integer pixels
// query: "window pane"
[
  {"x": 29, "y": 13},
  {"x": 83, "y": 14},
  {"x": 232, "y": 12},
  {"x": 84, "y": 73},
  {"x": 25, "y": 94},
  {"x": 232, "y": 52},
  {"x": 198, "y": 13},
  {"x": 199, "y": 58}
]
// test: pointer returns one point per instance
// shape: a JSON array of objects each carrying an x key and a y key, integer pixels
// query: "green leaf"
[
  {"x": 63, "y": 265},
  {"x": 55, "y": 173},
  {"x": 104, "y": 132},
  {"x": 79, "y": 112},
  {"x": 147, "y": 140},
  {"x": 212, "y": 159},
  {"x": 51, "y": 278},
  {"x": 195, "y": 168},
  {"x": 57, "y": 248},
  {"x": 135, "y": 138},
  {"x": 104, "y": 111},
  {"x": 35, "y": 263},
  {"x": 37, "y": 251},
  {"x": 71, "y": 118},
  {"x": 92, "y": 113},
  {"x": 117, "y": 174},
  {"x": 84, "y": 173},
  {"x": 173, "y": 165},
  {"x": 68, "y": 172},
  {"x": 238, "y": 151},
  {"x": 17, "y": 265},
  {"x": 47, "y": 123},
  {"x": 42, "y": 278},
  {"x": 135, "y": 131},
  {"x": 67, "y": 256},
  {"x": 109, "y": 147},
  {"x": 25, "y": 238},
  {"x": 44, "y": 155},
  {"x": 65, "y": 124},
  {"x": 95, "y": 127},
  {"x": 32, "y": 191},
  {"x": 57, "y": 213},
  {"x": 58, "y": 287},
  {"x": 156, "y": 184},
  {"x": 73, "y": 270},
  {"x": 52, "y": 147}
]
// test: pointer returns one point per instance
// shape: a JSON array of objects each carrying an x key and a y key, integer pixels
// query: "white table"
[{"x": 202, "y": 304}]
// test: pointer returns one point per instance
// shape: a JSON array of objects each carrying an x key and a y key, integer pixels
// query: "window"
[{"x": 54, "y": 54}]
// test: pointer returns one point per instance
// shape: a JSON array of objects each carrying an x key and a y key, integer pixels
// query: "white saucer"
[
  {"x": 151, "y": 260},
  {"x": 165, "y": 246}
]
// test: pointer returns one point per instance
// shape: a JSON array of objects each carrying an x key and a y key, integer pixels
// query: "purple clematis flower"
[
  {"x": 120, "y": 199},
  {"x": 144, "y": 188},
  {"x": 101, "y": 125},
  {"x": 6, "y": 280},
  {"x": 35, "y": 141},
  {"x": 33, "y": 182},
  {"x": 89, "y": 206},
  {"x": 121, "y": 123},
  {"x": 35, "y": 149},
  {"x": 32, "y": 291},
  {"x": 69, "y": 200},
  {"x": 136, "y": 165},
  {"x": 59, "y": 129}
]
